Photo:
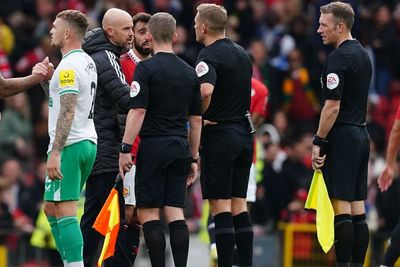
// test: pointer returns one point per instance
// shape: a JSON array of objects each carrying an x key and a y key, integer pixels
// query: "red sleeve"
[
  {"x": 128, "y": 67},
  {"x": 398, "y": 113},
  {"x": 259, "y": 96}
]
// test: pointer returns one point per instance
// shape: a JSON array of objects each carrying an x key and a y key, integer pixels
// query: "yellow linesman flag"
[
  {"x": 107, "y": 224},
  {"x": 318, "y": 199}
]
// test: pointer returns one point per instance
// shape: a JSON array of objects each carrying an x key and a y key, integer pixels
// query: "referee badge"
[
  {"x": 135, "y": 89},
  {"x": 201, "y": 68},
  {"x": 332, "y": 81}
]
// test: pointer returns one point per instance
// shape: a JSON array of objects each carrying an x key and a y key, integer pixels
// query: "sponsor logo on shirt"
[
  {"x": 201, "y": 68},
  {"x": 67, "y": 78},
  {"x": 332, "y": 81},
  {"x": 135, "y": 89}
]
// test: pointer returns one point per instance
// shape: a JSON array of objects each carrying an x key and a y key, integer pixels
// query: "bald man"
[
  {"x": 105, "y": 45},
  {"x": 40, "y": 72}
]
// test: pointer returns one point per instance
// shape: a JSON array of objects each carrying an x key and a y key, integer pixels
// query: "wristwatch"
[
  {"x": 125, "y": 148},
  {"x": 319, "y": 141},
  {"x": 195, "y": 160}
]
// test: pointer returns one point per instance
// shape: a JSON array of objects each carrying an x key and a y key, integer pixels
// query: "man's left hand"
[{"x": 53, "y": 167}]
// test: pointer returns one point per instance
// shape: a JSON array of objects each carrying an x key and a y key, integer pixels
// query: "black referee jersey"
[
  {"x": 227, "y": 66},
  {"x": 346, "y": 77}
]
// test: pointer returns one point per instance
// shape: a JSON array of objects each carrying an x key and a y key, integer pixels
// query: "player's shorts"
[
  {"x": 129, "y": 187},
  {"x": 162, "y": 167},
  {"x": 346, "y": 165},
  {"x": 76, "y": 163},
  {"x": 252, "y": 185},
  {"x": 227, "y": 153}
]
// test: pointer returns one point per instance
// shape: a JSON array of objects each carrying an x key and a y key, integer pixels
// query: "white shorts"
[
  {"x": 129, "y": 187},
  {"x": 252, "y": 186}
]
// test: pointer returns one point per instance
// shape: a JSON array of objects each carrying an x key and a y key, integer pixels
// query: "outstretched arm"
[
  {"x": 13, "y": 86},
  {"x": 386, "y": 177}
]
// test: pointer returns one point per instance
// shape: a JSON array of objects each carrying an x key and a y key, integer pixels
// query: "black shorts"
[
  {"x": 227, "y": 152},
  {"x": 162, "y": 167},
  {"x": 346, "y": 166}
]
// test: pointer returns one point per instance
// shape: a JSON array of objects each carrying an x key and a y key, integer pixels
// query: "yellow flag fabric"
[
  {"x": 107, "y": 224},
  {"x": 318, "y": 199}
]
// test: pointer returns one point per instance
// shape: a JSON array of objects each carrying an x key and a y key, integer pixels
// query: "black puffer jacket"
[{"x": 112, "y": 98}]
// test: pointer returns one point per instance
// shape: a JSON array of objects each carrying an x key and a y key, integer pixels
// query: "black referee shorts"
[
  {"x": 346, "y": 166},
  {"x": 227, "y": 152},
  {"x": 162, "y": 167}
]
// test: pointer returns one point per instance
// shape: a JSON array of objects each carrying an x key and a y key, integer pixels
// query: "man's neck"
[
  {"x": 69, "y": 47},
  {"x": 343, "y": 38},
  {"x": 210, "y": 39},
  {"x": 139, "y": 55},
  {"x": 165, "y": 48}
]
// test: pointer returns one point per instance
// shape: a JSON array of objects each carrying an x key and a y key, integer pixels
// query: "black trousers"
[{"x": 98, "y": 187}]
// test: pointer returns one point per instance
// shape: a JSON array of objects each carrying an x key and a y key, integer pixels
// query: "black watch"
[
  {"x": 319, "y": 141},
  {"x": 195, "y": 160},
  {"x": 125, "y": 148}
]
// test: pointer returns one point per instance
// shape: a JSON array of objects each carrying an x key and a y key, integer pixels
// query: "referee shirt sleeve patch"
[
  {"x": 135, "y": 89},
  {"x": 202, "y": 69},
  {"x": 332, "y": 81},
  {"x": 67, "y": 78}
]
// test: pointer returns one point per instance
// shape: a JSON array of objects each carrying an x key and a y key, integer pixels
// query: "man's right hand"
[
  {"x": 43, "y": 70},
  {"x": 386, "y": 178}
]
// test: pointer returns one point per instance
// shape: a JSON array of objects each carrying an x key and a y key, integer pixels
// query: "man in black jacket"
[{"x": 105, "y": 45}]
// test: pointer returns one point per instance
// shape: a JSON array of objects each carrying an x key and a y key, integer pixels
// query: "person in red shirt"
[
  {"x": 258, "y": 111},
  {"x": 141, "y": 50}
]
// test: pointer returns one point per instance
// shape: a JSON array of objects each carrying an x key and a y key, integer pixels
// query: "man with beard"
[
  {"x": 73, "y": 138},
  {"x": 141, "y": 50},
  {"x": 105, "y": 45}
]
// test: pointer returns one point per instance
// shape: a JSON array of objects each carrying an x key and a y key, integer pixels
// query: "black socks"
[
  {"x": 155, "y": 242},
  {"x": 344, "y": 238},
  {"x": 244, "y": 238},
  {"x": 224, "y": 238},
  {"x": 179, "y": 240},
  {"x": 361, "y": 239}
]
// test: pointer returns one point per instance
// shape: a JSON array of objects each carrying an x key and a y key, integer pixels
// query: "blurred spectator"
[
  {"x": 299, "y": 100},
  {"x": 16, "y": 130},
  {"x": 41, "y": 136}
]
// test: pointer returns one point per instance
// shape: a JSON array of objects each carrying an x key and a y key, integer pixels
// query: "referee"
[
  {"x": 225, "y": 71},
  {"x": 341, "y": 145},
  {"x": 165, "y": 93}
]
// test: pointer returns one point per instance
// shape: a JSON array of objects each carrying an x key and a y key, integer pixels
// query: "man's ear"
[
  {"x": 109, "y": 31},
  {"x": 149, "y": 36},
  {"x": 174, "y": 37}
]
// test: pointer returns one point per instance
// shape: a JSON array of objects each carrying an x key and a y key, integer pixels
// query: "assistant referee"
[
  {"x": 342, "y": 135},
  {"x": 224, "y": 69}
]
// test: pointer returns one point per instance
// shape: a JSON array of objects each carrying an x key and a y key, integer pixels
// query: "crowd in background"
[{"x": 288, "y": 57}]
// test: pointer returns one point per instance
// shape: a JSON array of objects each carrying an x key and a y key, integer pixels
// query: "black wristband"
[
  {"x": 195, "y": 160},
  {"x": 319, "y": 141},
  {"x": 125, "y": 148}
]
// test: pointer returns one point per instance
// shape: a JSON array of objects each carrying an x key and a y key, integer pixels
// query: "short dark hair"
[
  {"x": 341, "y": 11},
  {"x": 76, "y": 19},
  {"x": 162, "y": 26},
  {"x": 214, "y": 15},
  {"x": 141, "y": 17}
]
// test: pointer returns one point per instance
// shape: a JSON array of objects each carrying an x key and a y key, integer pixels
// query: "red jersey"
[
  {"x": 128, "y": 64},
  {"x": 258, "y": 104},
  {"x": 259, "y": 97},
  {"x": 398, "y": 114}
]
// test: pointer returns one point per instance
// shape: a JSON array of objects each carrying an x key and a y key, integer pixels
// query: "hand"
[
  {"x": 317, "y": 160},
  {"x": 192, "y": 174},
  {"x": 53, "y": 166},
  {"x": 125, "y": 163},
  {"x": 386, "y": 178},
  {"x": 44, "y": 70},
  {"x": 207, "y": 122}
]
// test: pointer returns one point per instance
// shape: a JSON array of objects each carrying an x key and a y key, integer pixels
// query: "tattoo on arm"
[{"x": 64, "y": 121}]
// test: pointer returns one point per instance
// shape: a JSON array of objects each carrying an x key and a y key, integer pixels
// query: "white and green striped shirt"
[{"x": 76, "y": 74}]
